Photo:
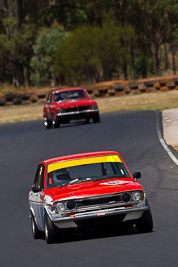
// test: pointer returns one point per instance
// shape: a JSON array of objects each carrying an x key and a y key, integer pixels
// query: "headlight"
[
  {"x": 126, "y": 197},
  {"x": 94, "y": 106},
  {"x": 66, "y": 206},
  {"x": 60, "y": 207},
  {"x": 71, "y": 204},
  {"x": 137, "y": 196}
]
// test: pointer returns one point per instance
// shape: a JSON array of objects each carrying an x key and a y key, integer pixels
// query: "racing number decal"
[
  {"x": 115, "y": 183},
  {"x": 114, "y": 158}
]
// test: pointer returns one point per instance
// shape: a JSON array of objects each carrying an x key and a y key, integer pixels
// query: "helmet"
[{"x": 61, "y": 174}]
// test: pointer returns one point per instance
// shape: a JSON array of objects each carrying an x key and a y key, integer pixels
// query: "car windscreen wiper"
[
  {"x": 74, "y": 181},
  {"x": 87, "y": 179}
]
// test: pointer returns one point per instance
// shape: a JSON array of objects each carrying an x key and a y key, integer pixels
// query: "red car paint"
[
  {"x": 71, "y": 104},
  {"x": 113, "y": 197},
  {"x": 88, "y": 188},
  {"x": 92, "y": 189}
]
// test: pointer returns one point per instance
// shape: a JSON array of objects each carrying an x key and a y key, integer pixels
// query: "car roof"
[
  {"x": 82, "y": 155},
  {"x": 66, "y": 89}
]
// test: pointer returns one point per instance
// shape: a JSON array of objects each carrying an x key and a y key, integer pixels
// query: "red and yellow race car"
[
  {"x": 86, "y": 191},
  {"x": 66, "y": 105}
]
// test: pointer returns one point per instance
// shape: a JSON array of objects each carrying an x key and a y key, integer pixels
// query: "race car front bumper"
[
  {"x": 76, "y": 113},
  {"x": 109, "y": 215}
]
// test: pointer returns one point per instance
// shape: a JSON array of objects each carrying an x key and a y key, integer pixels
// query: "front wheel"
[
  {"x": 48, "y": 123},
  {"x": 145, "y": 223},
  {"x": 127, "y": 225},
  {"x": 35, "y": 231},
  {"x": 87, "y": 120},
  {"x": 55, "y": 122},
  {"x": 51, "y": 231},
  {"x": 96, "y": 118}
]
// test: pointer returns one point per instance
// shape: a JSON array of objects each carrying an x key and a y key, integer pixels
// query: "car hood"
[
  {"x": 89, "y": 189},
  {"x": 75, "y": 102}
]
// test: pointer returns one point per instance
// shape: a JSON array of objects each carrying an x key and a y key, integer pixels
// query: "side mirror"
[
  {"x": 36, "y": 188},
  {"x": 137, "y": 175}
]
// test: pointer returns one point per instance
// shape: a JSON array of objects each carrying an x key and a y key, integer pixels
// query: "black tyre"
[
  {"x": 55, "y": 122},
  {"x": 2, "y": 101},
  {"x": 127, "y": 225},
  {"x": 17, "y": 101},
  {"x": 145, "y": 223},
  {"x": 51, "y": 231},
  {"x": 87, "y": 120},
  {"x": 35, "y": 231},
  {"x": 48, "y": 124},
  {"x": 96, "y": 118}
]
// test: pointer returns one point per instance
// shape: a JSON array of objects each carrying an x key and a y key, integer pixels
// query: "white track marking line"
[{"x": 171, "y": 155}]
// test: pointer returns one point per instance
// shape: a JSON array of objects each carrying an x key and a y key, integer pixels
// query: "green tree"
[
  {"x": 134, "y": 38},
  {"x": 113, "y": 55},
  {"x": 16, "y": 52},
  {"x": 172, "y": 27},
  {"x": 4, "y": 56},
  {"x": 76, "y": 57},
  {"x": 44, "y": 48},
  {"x": 17, "y": 36},
  {"x": 91, "y": 52},
  {"x": 150, "y": 21}
]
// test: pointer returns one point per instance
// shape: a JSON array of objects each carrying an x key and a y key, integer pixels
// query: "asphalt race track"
[{"x": 134, "y": 135}]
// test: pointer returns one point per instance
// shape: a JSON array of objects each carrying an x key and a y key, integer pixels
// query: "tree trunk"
[
  {"x": 17, "y": 73},
  {"x": 173, "y": 58},
  {"x": 125, "y": 71},
  {"x": 107, "y": 74},
  {"x": 28, "y": 74},
  {"x": 19, "y": 4},
  {"x": 166, "y": 65},
  {"x": 156, "y": 57}
]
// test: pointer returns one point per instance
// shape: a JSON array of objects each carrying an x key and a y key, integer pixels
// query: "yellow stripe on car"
[{"x": 76, "y": 162}]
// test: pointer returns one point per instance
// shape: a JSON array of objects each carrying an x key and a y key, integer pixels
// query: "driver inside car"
[{"x": 61, "y": 175}]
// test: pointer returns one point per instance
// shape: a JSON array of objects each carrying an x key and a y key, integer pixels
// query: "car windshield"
[
  {"x": 73, "y": 94},
  {"x": 86, "y": 173}
]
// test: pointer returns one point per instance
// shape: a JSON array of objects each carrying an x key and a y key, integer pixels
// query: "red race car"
[
  {"x": 86, "y": 191},
  {"x": 65, "y": 105}
]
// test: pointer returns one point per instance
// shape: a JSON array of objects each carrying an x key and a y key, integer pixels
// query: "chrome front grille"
[
  {"x": 99, "y": 202},
  {"x": 78, "y": 108}
]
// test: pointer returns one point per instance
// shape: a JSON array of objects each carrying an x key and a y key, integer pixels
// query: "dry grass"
[
  {"x": 158, "y": 100},
  {"x": 21, "y": 113}
]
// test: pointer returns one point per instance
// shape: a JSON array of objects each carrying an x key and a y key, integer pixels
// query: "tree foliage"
[
  {"x": 92, "y": 40},
  {"x": 94, "y": 52},
  {"x": 44, "y": 49}
]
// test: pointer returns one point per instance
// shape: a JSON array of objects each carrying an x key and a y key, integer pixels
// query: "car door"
[{"x": 37, "y": 198}]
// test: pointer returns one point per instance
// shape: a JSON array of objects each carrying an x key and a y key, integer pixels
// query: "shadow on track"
[
  {"x": 69, "y": 237},
  {"x": 73, "y": 124}
]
